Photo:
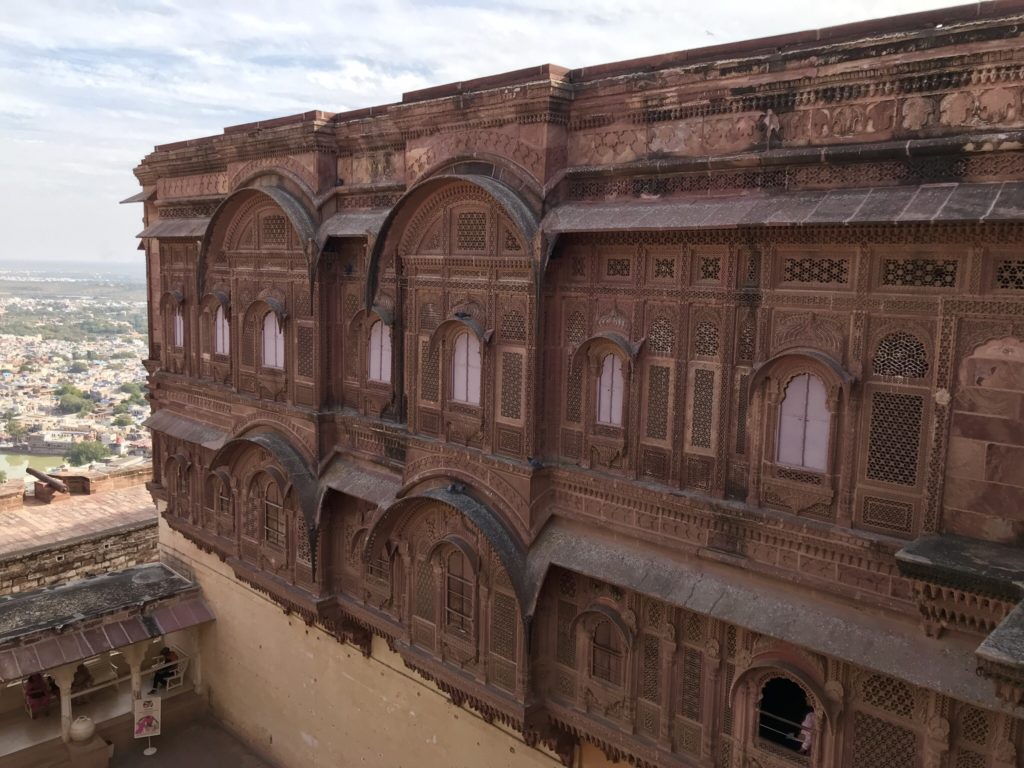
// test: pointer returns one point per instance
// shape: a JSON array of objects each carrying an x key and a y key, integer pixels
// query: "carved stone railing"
[{"x": 974, "y": 587}]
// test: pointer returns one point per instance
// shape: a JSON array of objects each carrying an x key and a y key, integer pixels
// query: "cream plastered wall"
[{"x": 303, "y": 699}]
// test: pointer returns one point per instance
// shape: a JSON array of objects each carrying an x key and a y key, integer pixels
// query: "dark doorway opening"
[{"x": 781, "y": 715}]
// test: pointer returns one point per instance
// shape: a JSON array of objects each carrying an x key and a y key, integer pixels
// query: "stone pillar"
[
  {"x": 63, "y": 677},
  {"x": 135, "y": 655},
  {"x": 936, "y": 742}
]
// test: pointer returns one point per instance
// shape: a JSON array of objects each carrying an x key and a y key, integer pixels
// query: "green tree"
[
  {"x": 79, "y": 366},
  {"x": 131, "y": 388},
  {"x": 3, "y": 477},
  {"x": 86, "y": 453},
  {"x": 15, "y": 429},
  {"x": 74, "y": 404},
  {"x": 67, "y": 388},
  {"x": 123, "y": 420}
]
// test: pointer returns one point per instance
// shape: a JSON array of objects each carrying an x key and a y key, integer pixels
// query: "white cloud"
[{"x": 89, "y": 86}]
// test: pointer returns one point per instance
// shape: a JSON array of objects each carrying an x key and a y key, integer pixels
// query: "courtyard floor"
[{"x": 198, "y": 745}]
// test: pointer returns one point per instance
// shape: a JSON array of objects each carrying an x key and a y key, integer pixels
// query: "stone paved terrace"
[
  {"x": 201, "y": 744},
  {"x": 35, "y": 526}
]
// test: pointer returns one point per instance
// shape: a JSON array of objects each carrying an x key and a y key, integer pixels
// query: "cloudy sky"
[{"x": 87, "y": 88}]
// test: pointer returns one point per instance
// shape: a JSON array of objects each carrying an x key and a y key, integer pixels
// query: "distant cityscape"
[{"x": 72, "y": 384}]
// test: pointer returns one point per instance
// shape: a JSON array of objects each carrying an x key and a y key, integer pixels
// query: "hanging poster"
[{"x": 147, "y": 717}]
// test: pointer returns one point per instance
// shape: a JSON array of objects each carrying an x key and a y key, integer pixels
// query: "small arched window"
[
  {"x": 610, "y": 388},
  {"x": 178, "y": 327},
  {"x": 380, "y": 353},
  {"x": 221, "y": 332},
  {"x": 223, "y": 499},
  {"x": 458, "y": 604},
  {"x": 273, "y": 342},
  {"x": 273, "y": 515},
  {"x": 784, "y": 716},
  {"x": 606, "y": 659},
  {"x": 466, "y": 369},
  {"x": 804, "y": 422}
]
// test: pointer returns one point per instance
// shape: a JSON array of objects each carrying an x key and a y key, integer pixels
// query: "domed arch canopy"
[
  {"x": 506, "y": 544},
  {"x": 599, "y": 611},
  {"x": 787, "y": 669},
  {"x": 294, "y": 209},
  {"x": 217, "y": 297},
  {"x": 609, "y": 339},
  {"x": 821, "y": 362},
  {"x": 511, "y": 204},
  {"x": 460, "y": 321},
  {"x": 290, "y": 464}
]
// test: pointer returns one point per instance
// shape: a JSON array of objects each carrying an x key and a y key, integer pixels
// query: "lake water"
[{"x": 15, "y": 464}]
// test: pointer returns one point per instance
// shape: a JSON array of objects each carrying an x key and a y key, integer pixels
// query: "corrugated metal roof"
[
  {"x": 957, "y": 202},
  {"x": 48, "y": 627}
]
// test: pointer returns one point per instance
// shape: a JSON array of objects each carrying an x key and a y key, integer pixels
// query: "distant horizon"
[{"x": 77, "y": 267}]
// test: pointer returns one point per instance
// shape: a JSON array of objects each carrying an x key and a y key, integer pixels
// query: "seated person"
[
  {"x": 161, "y": 675},
  {"x": 39, "y": 693},
  {"x": 82, "y": 679},
  {"x": 36, "y": 687}
]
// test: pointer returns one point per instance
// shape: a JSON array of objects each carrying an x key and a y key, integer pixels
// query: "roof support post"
[
  {"x": 135, "y": 654},
  {"x": 63, "y": 676}
]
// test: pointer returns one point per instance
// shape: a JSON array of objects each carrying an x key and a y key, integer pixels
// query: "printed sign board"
[{"x": 147, "y": 717}]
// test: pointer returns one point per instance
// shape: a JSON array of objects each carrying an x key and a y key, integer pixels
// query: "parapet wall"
[
  {"x": 112, "y": 550},
  {"x": 98, "y": 527}
]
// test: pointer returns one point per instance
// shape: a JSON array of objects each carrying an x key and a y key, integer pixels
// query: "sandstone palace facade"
[{"x": 667, "y": 412}]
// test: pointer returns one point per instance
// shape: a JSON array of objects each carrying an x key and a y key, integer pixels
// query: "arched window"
[
  {"x": 223, "y": 499},
  {"x": 784, "y": 717},
  {"x": 466, "y": 369},
  {"x": 221, "y": 333},
  {"x": 804, "y": 422},
  {"x": 273, "y": 342},
  {"x": 458, "y": 603},
  {"x": 380, "y": 353},
  {"x": 609, "y": 392},
  {"x": 606, "y": 660},
  {"x": 178, "y": 327},
  {"x": 901, "y": 355},
  {"x": 273, "y": 515},
  {"x": 378, "y": 568}
]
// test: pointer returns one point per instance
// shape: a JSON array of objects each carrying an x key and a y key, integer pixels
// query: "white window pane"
[
  {"x": 385, "y": 354},
  {"x": 473, "y": 370},
  {"x": 792, "y": 417},
  {"x": 268, "y": 341},
  {"x": 606, "y": 391},
  {"x": 617, "y": 390},
  {"x": 221, "y": 333},
  {"x": 179, "y": 327},
  {"x": 273, "y": 342},
  {"x": 460, "y": 368},
  {"x": 375, "y": 343},
  {"x": 817, "y": 426}
]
